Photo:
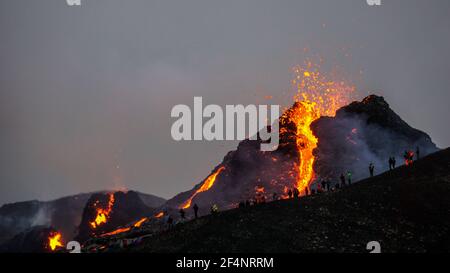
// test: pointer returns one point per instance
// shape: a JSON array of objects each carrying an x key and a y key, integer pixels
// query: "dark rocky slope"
[{"x": 406, "y": 210}]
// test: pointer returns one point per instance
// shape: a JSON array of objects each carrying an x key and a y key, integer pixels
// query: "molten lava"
[
  {"x": 205, "y": 186},
  {"x": 103, "y": 213},
  {"x": 159, "y": 215},
  {"x": 140, "y": 222},
  {"x": 117, "y": 231},
  {"x": 55, "y": 240},
  {"x": 317, "y": 95}
]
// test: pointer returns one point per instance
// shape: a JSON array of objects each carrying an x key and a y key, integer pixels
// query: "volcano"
[
  {"x": 360, "y": 133},
  {"x": 106, "y": 212}
]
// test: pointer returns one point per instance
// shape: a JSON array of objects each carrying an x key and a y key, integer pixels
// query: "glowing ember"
[
  {"x": 205, "y": 186},
  {"x": 317, "y": 95},
  {"x": 55, "y": 241},
  {"x": 103, "y": 213},
  {"x": 159, "y": 215}
]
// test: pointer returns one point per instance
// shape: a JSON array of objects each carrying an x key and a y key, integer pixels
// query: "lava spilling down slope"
[
  {"x": 312, "y": 147},
  {"x": 107, "y": 212},
  {"x": 322, "y": 136}
]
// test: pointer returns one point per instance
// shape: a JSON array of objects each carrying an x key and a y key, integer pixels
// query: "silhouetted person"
[
  {"x": 328, "y": 184},
  {"x": 170, "y": 221},
  {"x": 296, "y": 193},
  {"x": 195, "y": 210},
  {"x": 409, "y": 157},
  {"x": 371, "y": 169},
  {"x": 182, "y": 213},
  {"x": 342, "y": 180},
  {"x": 417, "y": 153},
  {"x": 393, "y": 162},
  {"x": 275, "y": 196},
  {"x": 349, "y": 177},
  {"x": 323, "y": 183},
  {"x": 390, "y": 163},
  {"x": 263, "y": 199},
  {"x": 290, "y": 193}
]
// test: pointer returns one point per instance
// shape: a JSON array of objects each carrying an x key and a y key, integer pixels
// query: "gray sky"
[{"x": 86, "y": 92}]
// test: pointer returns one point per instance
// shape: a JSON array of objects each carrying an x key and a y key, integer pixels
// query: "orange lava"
[
  {"x": 103, "y": 213},
  {"x": 317, "y": 95},
  {"x": 55, "y": 241},
  {"x": 117, "y": 231},
  {"x": 140, "y": 222},
  {"x": 205, "y": 186}
]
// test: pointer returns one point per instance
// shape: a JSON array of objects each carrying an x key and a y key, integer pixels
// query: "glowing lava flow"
[
  {"x": 55, "y": 241},
  {"x": 205, "y": 186},
  {"x": 103, "y": 214},
  {"x": 317, "y": 96}
]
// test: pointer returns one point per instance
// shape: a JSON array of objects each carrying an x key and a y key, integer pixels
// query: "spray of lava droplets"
[{"x": 317, "y": 95}]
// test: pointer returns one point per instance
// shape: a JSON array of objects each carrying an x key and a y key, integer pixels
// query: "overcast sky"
[{"x": 86, "y": 92}]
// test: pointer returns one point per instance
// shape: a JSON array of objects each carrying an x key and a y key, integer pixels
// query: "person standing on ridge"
[
  {"x": 349, "y": 177},
  {"x": 195, "y": 210},
  {"x": 182, "y": 214},
  {"x": 342, "y": 180},
  {"x": 371, "y": 169}
]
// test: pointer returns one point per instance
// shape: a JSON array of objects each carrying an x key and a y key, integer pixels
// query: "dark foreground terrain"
[{"x": 406, "y": 210}]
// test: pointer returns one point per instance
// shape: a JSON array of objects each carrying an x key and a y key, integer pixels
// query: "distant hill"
[
  {"x": 63, "y": 214},
  {"x": 406, "y": 210}
]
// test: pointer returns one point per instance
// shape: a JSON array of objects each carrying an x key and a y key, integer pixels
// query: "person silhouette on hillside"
[
  {"x": 195, "y": 210},
  {"x": 296, "y": 193},
  {"x": 349, "y": 177},
  {"x": 342, "y": 180},
  {"x": 390, "y": 164},
  {"x": 371, "y": 169},
  {"x": 290, "y": 193},
  {"x": 170, "y": 222},
  {"x": 182, "y": 214},
  {"x": 274, "y": 196}
]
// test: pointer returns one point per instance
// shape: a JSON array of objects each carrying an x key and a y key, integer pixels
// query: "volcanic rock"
[
  {"x": 360, "y": 133},
  {"x": 126, "y": 208},
  {"x": 364, "y": 132}
]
